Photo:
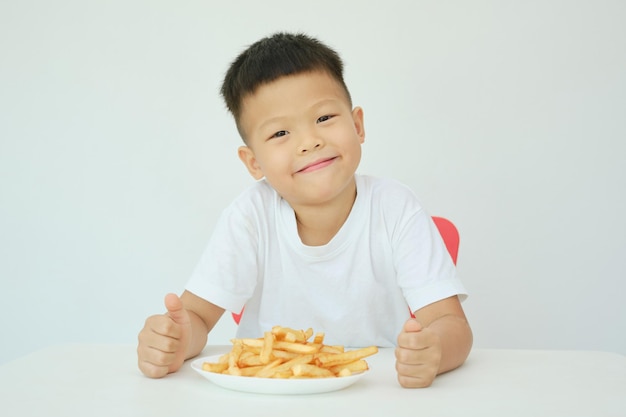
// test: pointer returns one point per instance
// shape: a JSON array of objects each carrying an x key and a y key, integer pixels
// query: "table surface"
[{"x": 103, "y": 380}]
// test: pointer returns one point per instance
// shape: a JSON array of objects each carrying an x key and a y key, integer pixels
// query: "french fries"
[{"x": 288, "y": 353}]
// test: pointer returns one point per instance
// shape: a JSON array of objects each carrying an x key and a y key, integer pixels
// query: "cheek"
[
  {"x": 273, "y": 162},
  {"x": 349, "y": 132},
  {"x": 352, "y": 138}
]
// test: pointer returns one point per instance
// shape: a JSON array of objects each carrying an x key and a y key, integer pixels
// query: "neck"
[{"x": 318, "y": 224}]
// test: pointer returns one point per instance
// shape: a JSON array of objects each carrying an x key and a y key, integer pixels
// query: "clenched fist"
[
  {"x": 164, "y": 340},
  {"x": 418, "y": 355}
]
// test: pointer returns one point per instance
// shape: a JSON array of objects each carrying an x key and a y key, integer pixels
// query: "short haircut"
[{"x": 273, "y": 57}]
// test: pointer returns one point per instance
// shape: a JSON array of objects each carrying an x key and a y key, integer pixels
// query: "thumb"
[
  {"x": 412, "y": 326},
  {"x": 175, "y": 309}
]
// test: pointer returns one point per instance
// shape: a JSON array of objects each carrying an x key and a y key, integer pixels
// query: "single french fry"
[
  {"x": 305, "y": 369},
  {"x": 279, "y": 332},
  {"x": 233, "y": 367},
  {"x": 319, "y": 338},
  {"x": 276, "y": 353},
  {"x": 250, "y": 370},
  {"x": 234, "y": 354},
  {"x": 214, "y": 367},
  {"x": 253, "y": 349},
  {"x": 295, "y": 347},
  {"x": 266, "y": 350},
  {"x": 331, "y": 349},
  {"x": 317, "y": 347},
  {"x": 328, "y": 359},
  {"x": 308, "y": 333},
  {"x": 352, "y": 367},
  {"x": 254, "y": 343},
  {"x": 289, "y": 334}
]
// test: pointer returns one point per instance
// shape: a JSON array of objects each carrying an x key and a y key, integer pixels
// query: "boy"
[{"x": 311, "y": 243}]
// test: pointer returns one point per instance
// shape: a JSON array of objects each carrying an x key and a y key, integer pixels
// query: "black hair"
[{"x": 276, "y": 56}]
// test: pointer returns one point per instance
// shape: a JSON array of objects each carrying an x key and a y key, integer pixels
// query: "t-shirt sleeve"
[
  {"x": 425, "y": 270},
  {"x": 226, "y": 273}
]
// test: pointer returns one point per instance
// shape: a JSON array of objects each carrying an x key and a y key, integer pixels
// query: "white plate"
[{"x": 272, "y": 385}]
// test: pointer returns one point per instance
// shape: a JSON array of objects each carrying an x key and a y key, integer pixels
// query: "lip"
[{"x": 316, "y": 165}]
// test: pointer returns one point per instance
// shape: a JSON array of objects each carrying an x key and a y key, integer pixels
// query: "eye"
[
  {"x": 324, "y": 118},
  {"x": 279, "y": 134}
]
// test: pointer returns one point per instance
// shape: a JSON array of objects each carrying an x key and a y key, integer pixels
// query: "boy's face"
[{"x": 303, "y": 137}]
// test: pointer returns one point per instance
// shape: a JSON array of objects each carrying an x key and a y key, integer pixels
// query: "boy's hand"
[
  {"x": 417, "y": 356},
  {"x": 164, "y": 340}
]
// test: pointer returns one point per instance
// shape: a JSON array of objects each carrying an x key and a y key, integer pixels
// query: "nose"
[
  {"x": 309, "y": 143},
  {"x": 306, "y": 149}
]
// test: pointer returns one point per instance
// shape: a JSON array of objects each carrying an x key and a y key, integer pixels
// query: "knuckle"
[
  {"x": 169, "y": 328},
  {"x": 142, "y": 336},
  {"x": 159, "y": 357},
  {"x": 402, "y": 355},
  {"x": 170, "y": 345},
  {"x": 150, "y": 321},
  {"x": 159, "y": 323}
]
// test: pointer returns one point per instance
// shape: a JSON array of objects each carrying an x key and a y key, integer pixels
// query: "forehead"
[{"x": 289, "y": 94}]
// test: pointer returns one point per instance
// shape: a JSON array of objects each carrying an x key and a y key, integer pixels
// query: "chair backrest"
[
  {"x": 450, "y": 235},
  {"x": 448, "y": 232}
]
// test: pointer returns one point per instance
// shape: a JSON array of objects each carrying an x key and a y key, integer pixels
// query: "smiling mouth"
[{"x": 317, "y": 165}]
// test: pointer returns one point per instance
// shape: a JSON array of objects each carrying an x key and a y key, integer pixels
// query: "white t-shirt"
[{"x": 387, "y": 257}]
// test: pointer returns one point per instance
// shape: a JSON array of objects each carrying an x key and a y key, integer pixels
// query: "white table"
[{"x": 103, "y": 380}]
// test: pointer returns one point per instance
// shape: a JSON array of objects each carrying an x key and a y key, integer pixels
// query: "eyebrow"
[
  {"x": 277, "y": 119},
  {"x": 324, "y": 102},
  {"x": 314, "y": 106}
]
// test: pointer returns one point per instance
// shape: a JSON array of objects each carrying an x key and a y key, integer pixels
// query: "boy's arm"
[
  {"x": 438, "y": 340},
  {"x": 203, "y": 316},
  {"x": 446, "y": 318}
]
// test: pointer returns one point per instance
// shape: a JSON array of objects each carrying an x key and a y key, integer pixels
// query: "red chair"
[{"x": 449, "y": 234}]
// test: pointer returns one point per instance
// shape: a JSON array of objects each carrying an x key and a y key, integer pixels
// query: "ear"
[
  {"x": 357, "y": 116},
  {"x": 247, "y": 157}
]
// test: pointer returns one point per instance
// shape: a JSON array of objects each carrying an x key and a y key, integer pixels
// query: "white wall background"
[{"x": 116, "y": 153}]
